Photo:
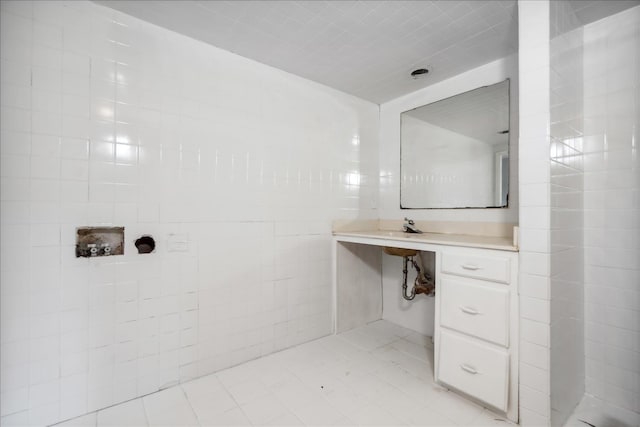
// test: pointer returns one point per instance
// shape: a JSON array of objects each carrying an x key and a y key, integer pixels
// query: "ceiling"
[{"x": 365, "y": 48}]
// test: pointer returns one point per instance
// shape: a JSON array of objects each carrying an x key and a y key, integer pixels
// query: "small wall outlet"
[
  {"x": 99, "y": 241},
  {"x": 178, "y": 243}
]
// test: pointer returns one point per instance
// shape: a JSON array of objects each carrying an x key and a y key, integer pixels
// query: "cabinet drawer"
[
  {"x": 474, "y": 368},
  {"x": 475, "y": 309},
  {"x": 488, "y": 267}
]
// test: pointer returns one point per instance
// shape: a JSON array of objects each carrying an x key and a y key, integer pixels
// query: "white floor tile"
[
  {"x": 423, "y": 390},
  {"x": 317, "y": 413},
  {"x": 396, "y": 403},
  {"x": 202, "y": 386},
  {"x": 89, "y": 420},
  {"x": 363, "y": 341},
  {"x": 319, "y": 381},
  {"x": 457, "y": 408},
  {"x": 490, "y": 419},
  {"x": 285, "y": 420},
  {"x": 388, "y": 329},
  {"x": 418, "y": 351},
  {"x": 248, "y": 391},
  {"x": 264, "y": 409},
  {"x": 177, "y": 415},
  {"x": 380, "y": 374},
  {"x": 599, "y": 413},
  {"x": 344, "y": 422},
  {"x": 210, "y": 406},
  {"x": 160, "y": 401},
  {"x": 236, "y": 375},
  {"x": 419, "y": 339},
  {"x": 346, "y": 400},
  {"x": 294, "y": 394},
  {"x": 234, "y": 417},
  {"x": 130, "y": 414},
  {"x": 426, "y": 416},
  {"x": 373, "y": 415},
  {"x": 169, "y": 408}
]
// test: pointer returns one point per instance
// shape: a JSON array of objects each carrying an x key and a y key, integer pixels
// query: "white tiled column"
[
  {"x": 534, "y": 180},
  {"x": 567, "y": 211}
]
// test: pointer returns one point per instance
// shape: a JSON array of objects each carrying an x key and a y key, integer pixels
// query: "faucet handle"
[{"x": 409, "y": 221}]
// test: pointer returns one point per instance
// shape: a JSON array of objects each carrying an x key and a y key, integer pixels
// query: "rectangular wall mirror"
[{"x": 454, "y": 153}]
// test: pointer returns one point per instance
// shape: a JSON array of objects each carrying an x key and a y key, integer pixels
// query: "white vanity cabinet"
[
  {"x": 476, "y": 325},
  {"x": 476, "y": 306}
]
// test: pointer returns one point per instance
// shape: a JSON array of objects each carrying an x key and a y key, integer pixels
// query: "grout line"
[{"x": 184, "y": 393}]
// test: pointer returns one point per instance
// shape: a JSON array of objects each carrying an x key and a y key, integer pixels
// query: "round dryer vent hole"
[{"x": 145, "y": 244}]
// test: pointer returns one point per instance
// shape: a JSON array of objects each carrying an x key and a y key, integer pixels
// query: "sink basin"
[{"x": 399, "y": 251}]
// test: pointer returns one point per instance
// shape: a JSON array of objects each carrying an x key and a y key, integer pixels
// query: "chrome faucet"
[{"x": 409, "y": 226}]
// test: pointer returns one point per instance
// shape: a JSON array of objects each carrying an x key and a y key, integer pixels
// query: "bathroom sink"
[{"x": 399, "y": 251}]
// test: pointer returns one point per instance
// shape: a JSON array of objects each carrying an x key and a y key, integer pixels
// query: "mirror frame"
[{"x": 509, "y": 140}]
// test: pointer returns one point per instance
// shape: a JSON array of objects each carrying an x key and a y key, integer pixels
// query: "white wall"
[
  {"x": 611, "y": 199},
  {"x": 534, "y": 214},
  {"x": 493, "y": 72},
  {"x": 107, "y": 120},
  {"x": 566, "y": 187}
]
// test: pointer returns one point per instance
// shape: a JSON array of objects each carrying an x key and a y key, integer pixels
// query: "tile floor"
[
  {"x": 379, "y": 374},
  {"x": 600, "y": 414}
]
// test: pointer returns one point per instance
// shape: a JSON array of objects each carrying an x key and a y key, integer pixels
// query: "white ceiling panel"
[{"x": 366, "y": 48}]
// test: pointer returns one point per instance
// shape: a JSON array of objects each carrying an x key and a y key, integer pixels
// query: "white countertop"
[{"x": 402, "y": 239}]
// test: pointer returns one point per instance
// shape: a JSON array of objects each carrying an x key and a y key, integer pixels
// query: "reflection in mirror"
[{"x": 455, "y": 152}]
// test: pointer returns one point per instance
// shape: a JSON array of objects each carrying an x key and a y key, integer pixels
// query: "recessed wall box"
[{"x": 99, "y": 241}]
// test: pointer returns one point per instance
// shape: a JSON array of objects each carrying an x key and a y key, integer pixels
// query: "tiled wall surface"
[
  {"x": 611, "y": 199},
  {"x": 534, "y": 213},
  {"x": 567, "y": 258},
  {"x": 236, "y": 168}
]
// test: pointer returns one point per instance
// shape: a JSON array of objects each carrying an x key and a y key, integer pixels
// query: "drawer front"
[
  {"x": 475, "y": 309},
  {"x": 475, "y": 369},
  {"x": 488, "y": 267}
]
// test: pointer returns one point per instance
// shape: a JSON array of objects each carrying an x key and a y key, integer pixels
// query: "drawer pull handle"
[
  {"x": 469, "y": 310},
  {"x": 471, "y": 267},
  {"x": 468, "y": 368}
]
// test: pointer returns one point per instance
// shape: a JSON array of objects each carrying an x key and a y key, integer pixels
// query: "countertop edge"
[{"x": 458, "y": 240}]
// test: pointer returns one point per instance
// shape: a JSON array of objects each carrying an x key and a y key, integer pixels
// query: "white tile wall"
[
  {"x": 567, "y": 258},
  {"x": 534, "y": 212},
  {"x": 109, "y": 120},
  {"x": 612, "y": 180}
]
